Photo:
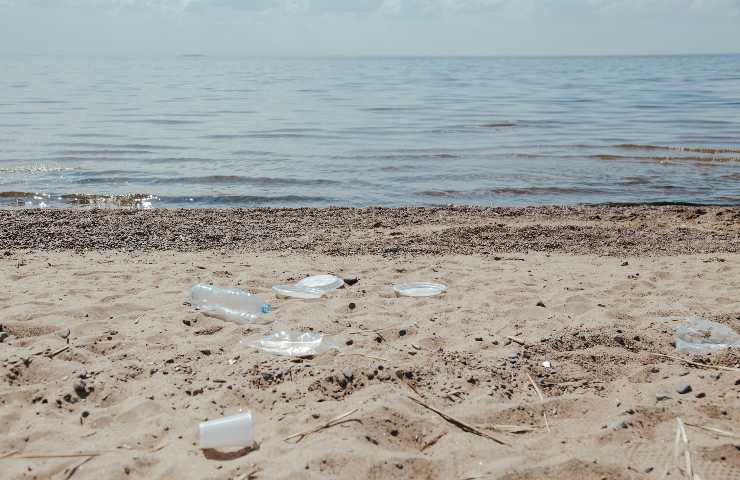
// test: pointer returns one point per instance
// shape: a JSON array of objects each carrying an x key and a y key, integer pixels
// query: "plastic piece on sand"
[
  {"x": 227, "y": 432},
  {"x": 229, "y": 304},
  {"x": 321, "y": 282},
  {"x": 298, "y": 292},
  {"x": 698, "y": 335},
  {"x": 310, "y": 287},
  {"x": 293, "y": 344},
  {"x": 547, "y": 364},
  {"x": 419, "y": 289}
]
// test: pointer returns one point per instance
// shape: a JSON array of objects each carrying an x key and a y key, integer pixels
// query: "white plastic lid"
[
  {"x": 297, "y": 292},
  {"x": 419, "y": 289},
  {"x": 323, "y": 282}
]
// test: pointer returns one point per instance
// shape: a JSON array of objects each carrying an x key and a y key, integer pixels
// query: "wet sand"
[{"x": 102, "y": 353}]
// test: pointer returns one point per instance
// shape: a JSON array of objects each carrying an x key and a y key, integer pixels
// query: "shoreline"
[{"x": 611, "y": 230}]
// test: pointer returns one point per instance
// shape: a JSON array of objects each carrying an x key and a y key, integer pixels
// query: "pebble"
[
  {"x": 541, "y": 304},
  {"x": 348, "y": 374},
  {"x": 683, "y": 388},
  {"x": 661, "y": 396},
  {"x": 351, "y": 281},
  {"x": 3, "y": 336},
  {"x": 352, "y": 305},
  {"x": 701, "y": 395}
]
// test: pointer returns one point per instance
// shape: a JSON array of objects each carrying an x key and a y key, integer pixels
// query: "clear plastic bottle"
[{"x": 229, "y": 304}]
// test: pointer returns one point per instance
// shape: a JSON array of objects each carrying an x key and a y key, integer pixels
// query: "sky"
[{"x": 369, "y": 27}]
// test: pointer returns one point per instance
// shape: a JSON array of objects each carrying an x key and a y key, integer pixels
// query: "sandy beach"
[{"x": 104, "y": 358}]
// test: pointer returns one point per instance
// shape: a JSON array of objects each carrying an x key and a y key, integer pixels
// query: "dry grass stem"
[
  {"x": 433, "y": 441},
  {"x": 695, "y": 364},
  {"x": 458, "y": 423},
  {"x": 716, "y": 431},
  {"x": 329, "y": 424},
  {"x": 542, "y": 400},
  {"x": 74, "y": 469}
]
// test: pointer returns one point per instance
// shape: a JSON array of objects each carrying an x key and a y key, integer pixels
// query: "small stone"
[
  {"x": 351, "y": 281},
  {"x": 683, "y": 388},
  {"x": 349, "y": 342},
  {"x": 661, "y": 396},
  {"x": 701, "y": 395},
  {"x": 624, "y": 264},
  {"x": 81, "y": 389},
  {"x": 541, "y": 304},
  {"x": 352, "y": 305},
  {"x": 619, "y": 339},
  {"x": 85, "y": 414},
  {"x": 402, "y": 333},
  {"x": 205, "y": 351},
  {"x": 348, "y": 374},
  {"x": 478, "y": 339},
  {"x": 737, "y": 382},
  {"x": 64, "y": 333},
  {"x": 648, "y": 469},
  {"x": 187, "y": 322},
  {"x": 3, "y": 336},
  {"x": 683, "y": 373}
]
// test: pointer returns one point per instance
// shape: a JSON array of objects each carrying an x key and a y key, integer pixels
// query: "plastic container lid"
[
  {"x": 321, "y": 282},
  {"x": 294, "y": 291},
  {"x": 419, "y": 289}
]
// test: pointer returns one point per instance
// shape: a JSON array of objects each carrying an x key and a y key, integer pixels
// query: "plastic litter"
[
  {"x": 293, "y": 344},
  {"x": 419, "y": 289},
  {"x": 298, "y": 292},
  {"x": 547, "y": 364},
  {"x": 227, "y": 432},
  {"x": 322, "y": 282},
  {"x": 310, "y": 287},
  {"x": 229, "y": 304},
  {"x": 702, "y": 336}
]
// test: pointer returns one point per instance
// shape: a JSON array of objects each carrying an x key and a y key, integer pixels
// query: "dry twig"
[
  {"x": 74, "y": 469},
  {"x": 459, "y": 424},
  {"x": 696, "y": 364},
  {"x": 433, "y": 441},
  {"x": 716, "y": 431},
  {"x": 542, "y": 400},
  {"x": 331, "y": 423}
]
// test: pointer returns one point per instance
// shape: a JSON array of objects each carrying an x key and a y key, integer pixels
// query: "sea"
[{"x": 200, "y": 131}]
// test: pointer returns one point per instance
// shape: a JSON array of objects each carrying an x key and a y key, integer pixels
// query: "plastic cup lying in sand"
[
  {"x": 227, "y": 432},
  {"x": 698, "y": 335},
  {"x": 419, "y": 289},
  {"x": 293, "y": 344},
  {"x": 310, "y": 287}
]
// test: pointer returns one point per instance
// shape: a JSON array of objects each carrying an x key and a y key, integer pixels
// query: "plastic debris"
[
  {"x": 419, "y": 289},
  {"x": 311, "y": 287},
  {"x": 229, "y": 304},
  {"x": 293, "y": 344},
  {"x": 547, "y": 364},
  {"x": 702, "y": 336},
  {"x": 227, "y": 432}
]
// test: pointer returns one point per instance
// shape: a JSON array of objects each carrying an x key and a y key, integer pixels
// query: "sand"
[{"x": 102, "y": 354}]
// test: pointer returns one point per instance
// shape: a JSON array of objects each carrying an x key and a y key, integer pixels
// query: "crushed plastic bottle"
[
  {"x": 698, "y": 335},
  {"x": 293, "y": 344},
  {"x": 229, "y": 304}
]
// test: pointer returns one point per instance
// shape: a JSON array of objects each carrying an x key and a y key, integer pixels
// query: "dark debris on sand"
[{"x": 600, "y": 229}]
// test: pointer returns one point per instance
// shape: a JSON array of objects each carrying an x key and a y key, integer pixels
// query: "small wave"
[
  {"x": 709, "y": 150},
  {"x": 102, "y": 152},
  {"x": 130, "y": 146},
  {"x": 209, "y": 180},
  {"x": 497, "y": 125},
  {"x": 243, "y": 200},
  {"x": 12, "y": 194},
  {"x": 138, "y": 200},
  {"x": 510, "y": 191}
]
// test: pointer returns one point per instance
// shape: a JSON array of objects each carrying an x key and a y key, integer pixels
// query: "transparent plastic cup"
[
  {"x": 227, "y": 432},
  {"x": 419, "y": 289}
]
